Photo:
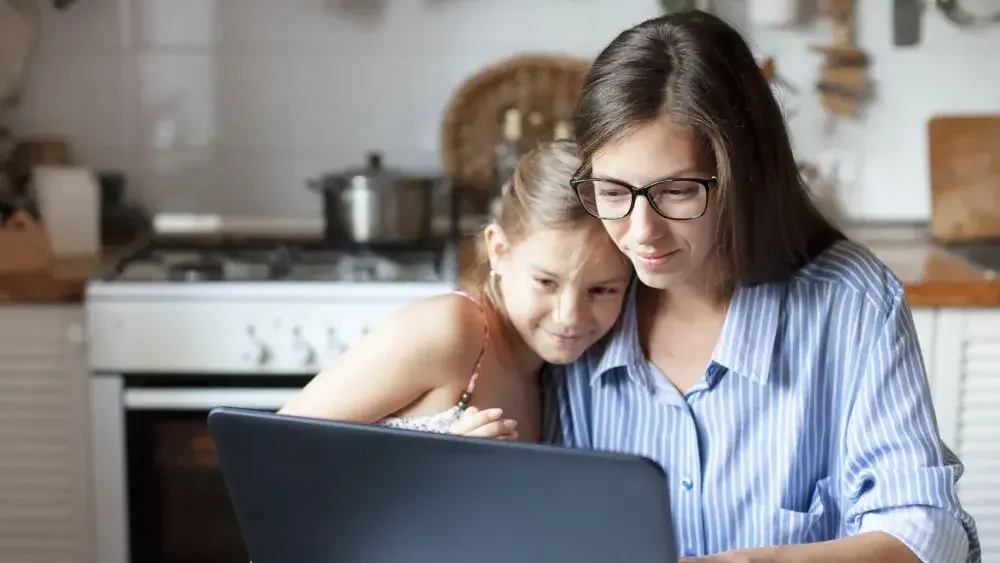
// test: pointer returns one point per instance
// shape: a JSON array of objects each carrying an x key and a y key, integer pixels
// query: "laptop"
[{"x": 318, "y": 491}]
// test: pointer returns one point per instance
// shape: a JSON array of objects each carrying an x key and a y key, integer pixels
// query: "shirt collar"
[
  {"x": 745, "y": 346},
  {"x": 621, "y": 346}
]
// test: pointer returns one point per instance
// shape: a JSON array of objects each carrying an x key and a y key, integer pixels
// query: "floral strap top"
[{"x": 442, "y": 421}]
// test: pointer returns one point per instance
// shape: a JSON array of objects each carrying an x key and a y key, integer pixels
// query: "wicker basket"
[{"x": 543, "y": 87}]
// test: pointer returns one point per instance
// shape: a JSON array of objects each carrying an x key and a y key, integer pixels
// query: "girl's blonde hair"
[{"x": 538, "y": 197}]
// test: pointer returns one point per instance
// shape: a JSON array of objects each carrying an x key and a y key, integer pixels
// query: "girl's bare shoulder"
[
  {"x": 453, "y": 317},
  {"x": 452, "y": 328}
]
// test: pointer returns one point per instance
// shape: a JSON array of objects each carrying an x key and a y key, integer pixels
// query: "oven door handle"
[{"x": 208, "y": 398}]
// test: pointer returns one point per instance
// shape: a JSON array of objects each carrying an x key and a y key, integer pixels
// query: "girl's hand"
[{"x": 485, "y": 424}]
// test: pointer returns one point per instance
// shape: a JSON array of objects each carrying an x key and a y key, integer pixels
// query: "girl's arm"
[{"x": 429, "y": 345}]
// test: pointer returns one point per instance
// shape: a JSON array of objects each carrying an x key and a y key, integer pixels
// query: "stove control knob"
[
  {"x": 302, "y": 349},
  {"x": 307, "y": 356},
  {"x": 256, "y": 351},
  {"x": 334, "y": 344}
]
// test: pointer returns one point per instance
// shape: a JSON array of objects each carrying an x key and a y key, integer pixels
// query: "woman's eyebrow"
[{"x": 683, "y": 172}]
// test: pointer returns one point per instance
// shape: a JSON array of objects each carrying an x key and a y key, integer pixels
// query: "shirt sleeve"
[
  {"x": 896, "y": 478},
  {"x": 931, "y": 533}
]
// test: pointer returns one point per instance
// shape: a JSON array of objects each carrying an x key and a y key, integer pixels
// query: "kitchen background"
[
  {"x": 115, "y": 343},
  {"x": 229, "y": 105}
]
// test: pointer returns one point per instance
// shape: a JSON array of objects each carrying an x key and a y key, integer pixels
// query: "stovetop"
[
  {"x": 984, "y": 254},
  {"x": 267, "y": 261}
]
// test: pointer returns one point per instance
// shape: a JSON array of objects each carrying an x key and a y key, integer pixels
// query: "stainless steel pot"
[{"x": 376, "y": 205}]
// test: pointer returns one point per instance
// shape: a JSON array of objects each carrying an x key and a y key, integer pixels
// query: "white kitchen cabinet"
[
  {"x": 44, "y": 439},
  {"x": 961, "y": 349},
  {"x": 966, "y": 384}
]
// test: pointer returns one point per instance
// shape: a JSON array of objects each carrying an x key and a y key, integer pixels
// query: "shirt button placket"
[{"x": 688, "y": 492}]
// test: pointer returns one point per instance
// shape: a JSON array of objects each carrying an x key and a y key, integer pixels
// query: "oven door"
[{"x": 176, "y": 506}]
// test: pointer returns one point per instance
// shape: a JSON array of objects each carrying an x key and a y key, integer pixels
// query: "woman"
[
  {"x": 548, "y": 284},
  {"x": 768, "y": 364}
]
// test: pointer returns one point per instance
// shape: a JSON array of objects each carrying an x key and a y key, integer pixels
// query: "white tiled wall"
[
  {"x": 952, "y": 71},
  {"x": 229, "y": 105}
]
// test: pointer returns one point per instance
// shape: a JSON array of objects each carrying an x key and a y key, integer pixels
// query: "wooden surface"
[
  {"x": 63, "y": 283},
  {"x": 933, "y": 277},
  {"x": 965, "y": 177}
]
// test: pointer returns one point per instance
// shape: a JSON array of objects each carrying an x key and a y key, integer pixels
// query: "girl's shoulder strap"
[{"x": 466, "y": 397}]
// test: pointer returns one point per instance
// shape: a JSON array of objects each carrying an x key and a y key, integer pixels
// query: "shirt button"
[{"x": 688, "y": 484}]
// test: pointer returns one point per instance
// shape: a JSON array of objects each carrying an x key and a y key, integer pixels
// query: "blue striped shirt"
[{"x": 813, "y": 420}]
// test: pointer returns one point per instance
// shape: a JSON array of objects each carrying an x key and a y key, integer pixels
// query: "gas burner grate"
[
  {"x": 258, "y": 261},
  {"x": 206, "y": 269}
]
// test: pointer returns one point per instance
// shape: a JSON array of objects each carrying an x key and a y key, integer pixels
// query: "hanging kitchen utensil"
[
  {"x": 844, "y": 85},
  {"x": 63, "y": 5},
  {"x": 954, "y": 11},
  {"x": 906, "y": 22}
]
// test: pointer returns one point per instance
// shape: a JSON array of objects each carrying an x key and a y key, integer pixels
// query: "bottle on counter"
[
  {"x": 506, "y": 155},
  {"x": 536, "y": 129},
  {"x": 562, "y": 131}
]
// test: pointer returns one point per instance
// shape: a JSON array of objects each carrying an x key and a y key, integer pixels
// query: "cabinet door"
[
  {"x": 44, "y": 417},
  {"x": 967, "y": 387}
]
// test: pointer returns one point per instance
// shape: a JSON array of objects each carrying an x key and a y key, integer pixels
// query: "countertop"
[
  {"x": 933, "y": 277},
  {"x": 63, "y": 283}
]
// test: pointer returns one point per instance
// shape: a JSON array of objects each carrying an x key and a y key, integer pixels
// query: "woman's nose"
[{"x": 645, "y": 224}]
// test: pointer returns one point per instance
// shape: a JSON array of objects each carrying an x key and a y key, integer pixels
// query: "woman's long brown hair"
[{"x": 695, "y": 70}]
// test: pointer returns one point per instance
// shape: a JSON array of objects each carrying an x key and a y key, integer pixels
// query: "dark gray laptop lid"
[{"x": 313, "y": 491}]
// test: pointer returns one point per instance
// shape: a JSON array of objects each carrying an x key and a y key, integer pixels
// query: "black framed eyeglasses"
[{"x": 680, "y": 199}]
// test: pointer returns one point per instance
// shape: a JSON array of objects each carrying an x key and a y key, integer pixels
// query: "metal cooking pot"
[{"x": 376, "y": 205}]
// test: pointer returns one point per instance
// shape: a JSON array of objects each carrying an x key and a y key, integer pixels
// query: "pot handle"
[{"x": 314, "y": 184}]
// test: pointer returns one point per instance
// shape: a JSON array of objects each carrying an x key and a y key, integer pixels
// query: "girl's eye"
[
  {"x": 602, "y": 291},
  {"x": 544, "y": 283}
]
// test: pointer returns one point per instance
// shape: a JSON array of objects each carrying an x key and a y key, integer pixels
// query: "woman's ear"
[{"x": 496, "y": 244}]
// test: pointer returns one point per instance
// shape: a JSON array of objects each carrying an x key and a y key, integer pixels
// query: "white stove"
[
  {"x": 180, "y": 327},
  {"x": 249, "y": 306}
]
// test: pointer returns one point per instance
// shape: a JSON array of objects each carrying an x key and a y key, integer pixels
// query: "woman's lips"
[{"x": 653, "y": 259}]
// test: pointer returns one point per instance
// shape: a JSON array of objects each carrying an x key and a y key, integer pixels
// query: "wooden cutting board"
[{"x": 965, "y": 177}]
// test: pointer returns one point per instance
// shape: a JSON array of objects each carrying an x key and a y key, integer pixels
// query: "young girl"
[{"x": 547, "y": 283}]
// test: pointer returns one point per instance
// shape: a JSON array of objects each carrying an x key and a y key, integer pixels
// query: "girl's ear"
[{"x": 496, "y": 245}]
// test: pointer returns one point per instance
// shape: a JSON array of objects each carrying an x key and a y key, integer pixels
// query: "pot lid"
[{"x": 374, "y": 168}]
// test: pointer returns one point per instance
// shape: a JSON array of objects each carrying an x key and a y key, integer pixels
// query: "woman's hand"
[{"x": 485, "y": 424}]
